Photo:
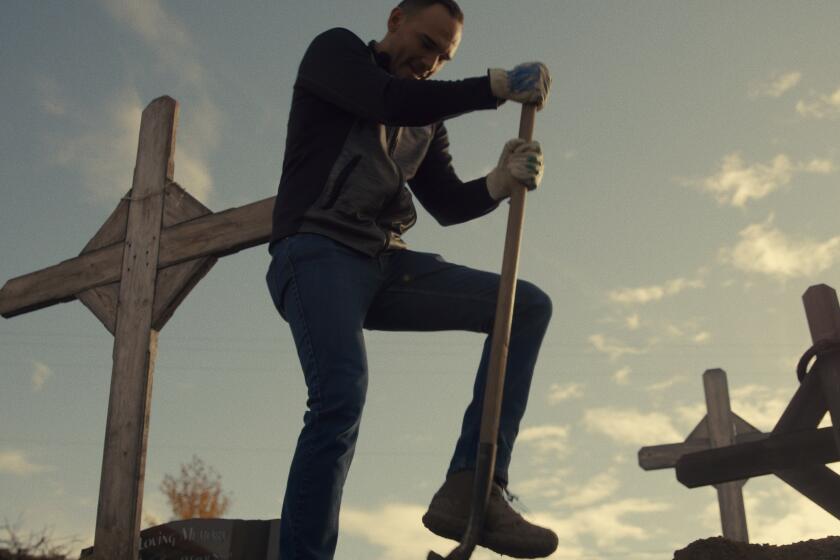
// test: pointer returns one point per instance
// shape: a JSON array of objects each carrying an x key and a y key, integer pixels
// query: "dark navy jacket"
[{"x": 356, "y": 136}]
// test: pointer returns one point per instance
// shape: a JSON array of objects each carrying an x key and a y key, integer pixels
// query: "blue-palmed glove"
[
  {"x": 527, "y": 83},
  {"x": 521, "y": 162}
]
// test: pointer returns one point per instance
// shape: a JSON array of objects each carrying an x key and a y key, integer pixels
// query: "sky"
[{"x": 689, "y": 200}]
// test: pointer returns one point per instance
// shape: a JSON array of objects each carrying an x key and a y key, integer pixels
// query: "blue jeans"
[{"x": 328, "y": 293}]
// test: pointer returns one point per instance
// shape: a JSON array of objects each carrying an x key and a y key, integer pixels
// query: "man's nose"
[{"x": 430, "y": 62}]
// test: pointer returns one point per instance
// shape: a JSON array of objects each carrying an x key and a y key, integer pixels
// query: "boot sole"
[{"x": 454, "y": 528}]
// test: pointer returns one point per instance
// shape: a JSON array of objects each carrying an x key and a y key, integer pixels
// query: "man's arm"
[
  {"x": 338, "y": 68},
  {"x": 442, "y": 193}
]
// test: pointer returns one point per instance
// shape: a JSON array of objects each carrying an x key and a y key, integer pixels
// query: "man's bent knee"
[{"x": 533, "y": 302}]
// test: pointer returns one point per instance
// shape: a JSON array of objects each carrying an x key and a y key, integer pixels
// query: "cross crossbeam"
[
  {"x": 720, "y": 427},
  {"x": 216, "y": 234},
  {"x": 796, "y": 451}
]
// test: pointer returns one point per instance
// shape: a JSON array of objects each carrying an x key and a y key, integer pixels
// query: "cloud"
[
  {"x": 631, "y": 427},
  {"x": 633, "y": 322},
  {"x": 613, "y": 348},
  {"x": 666, "y": 384},
  {"x": 596, "y": 489},
  {"x": 820, "y": 106},
  {"x": 777, "y": 85},
  {"x": 622, "y": 376},
  {"x": 604, "y": 523},
  {"x": 15, "y": 462},
  {"x": 547, "y": 439},
  {"x": 758, "y": 405},
  {"x": 104, "y": 150},
  {"x": 40, "y": 375},
  {"x": 647, "y": 294},
  {"x": 781, "y": 515},
  {"x": 558, "y": 393},
  {"x": 396, "y": 530},
  {"x": 701, "y": 337},
  {"x": 737, "y": 183},
  {"x": 766, "y": 250},
  {"x": 168, "y": 38},
  {"x": 102, "y": 145}
]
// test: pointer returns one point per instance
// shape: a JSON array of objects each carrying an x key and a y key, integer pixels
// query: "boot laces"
[{"x": 515, "y": 502}]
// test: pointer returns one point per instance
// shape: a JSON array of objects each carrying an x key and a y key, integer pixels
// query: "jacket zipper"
[
  {"x": 341, "y": 179},
  {"x": 392, "y": 147}
]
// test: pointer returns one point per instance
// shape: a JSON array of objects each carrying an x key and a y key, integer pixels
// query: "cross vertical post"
[
  {"x": 721, "y": 434},
  {"x": 135, "y": 341},
  {"x": 718, "y": 429}
]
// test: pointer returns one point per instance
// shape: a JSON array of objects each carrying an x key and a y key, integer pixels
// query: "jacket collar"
[{"x": 382, "y": 59}]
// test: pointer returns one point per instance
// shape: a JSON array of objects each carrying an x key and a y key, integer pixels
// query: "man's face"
[{"x": 421, "y": 43}]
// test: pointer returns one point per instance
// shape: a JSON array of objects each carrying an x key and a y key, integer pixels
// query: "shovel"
[{"x": 486, "y": 458}]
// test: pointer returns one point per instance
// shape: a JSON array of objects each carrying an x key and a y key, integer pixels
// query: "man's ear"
[{"x": 396, "y": 19}]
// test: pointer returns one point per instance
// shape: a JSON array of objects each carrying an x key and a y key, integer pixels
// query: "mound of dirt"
[{"x": 718, "y": 548}]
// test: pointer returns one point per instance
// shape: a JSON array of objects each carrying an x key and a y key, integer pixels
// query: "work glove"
[
  {"x": 526, "y": 83},
  {"x": 521, "y": 163}
]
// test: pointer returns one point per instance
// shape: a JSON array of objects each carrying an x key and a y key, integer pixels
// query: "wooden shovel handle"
[{"x": 504, "y": 304}]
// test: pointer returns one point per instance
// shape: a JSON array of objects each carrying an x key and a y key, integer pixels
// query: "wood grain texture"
[
  {"x": 776, "y": 453},
  {"x": 721, "y": 428},
  {"x": 823, "y": 313},
  {"x": 123, "y": 462},
  {"x": 216, "y": 235},
  {"x": 174, "y": 283},
  {"x": 102, "y": 301}
]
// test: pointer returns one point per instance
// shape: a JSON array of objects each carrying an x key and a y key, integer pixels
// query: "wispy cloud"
[
  {"x": 820, "y": 106},
  {"x": 777, "y": 85},
  {"x": 606, "y": 525},
  {"x": 736, "y": 183},
  {"x": 558, "y": 393},
  {"x": 594, "y": 490},
  {"x": 622, "y": 376},
  {"x": 760, "y": 406},
  {"x": 656, "y": 292},
  {"x": 765, "y": 249},
  {"x": 175, "y": 50},
  {"x": 631, "y": 427},
  {"x": 613, "y": 348},
  {"x": 170, "y": 40},
  {"x": 40, "y": 374},
  {"x": 547, "y": 439},
  {"x": 15, "y": 462},
  {"x": 395, "y": 529},
  {"x": 102, "y": 144},
  {"x": 665, "y": 384},
  {"x": 780, "y": 515}
]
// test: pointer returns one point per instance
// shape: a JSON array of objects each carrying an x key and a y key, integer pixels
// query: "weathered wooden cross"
[
  {"x": 133, "y": 274},
  {"x": 797, "y": 450},
  {"x": 719, "y": 427}
]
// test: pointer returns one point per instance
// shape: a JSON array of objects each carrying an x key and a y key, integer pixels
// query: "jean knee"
[
  {"x": 533, "y": 302},
  {"x": 344, "y": 410}
]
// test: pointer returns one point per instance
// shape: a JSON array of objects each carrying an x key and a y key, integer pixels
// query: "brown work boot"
[{"x": 505, "y": 531}]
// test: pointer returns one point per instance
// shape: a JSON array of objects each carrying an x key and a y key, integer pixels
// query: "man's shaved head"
[{"x": 410, "y": 7}]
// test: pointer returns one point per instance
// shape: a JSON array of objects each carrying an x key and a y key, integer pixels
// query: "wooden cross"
[
  {"x": 719, "y": 427},
  {"x": 133, "y": 274},
  {"x": 796, "y": 451}
]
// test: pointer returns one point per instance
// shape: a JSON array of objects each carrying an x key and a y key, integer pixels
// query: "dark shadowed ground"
[{"x": 718, "y": 548}]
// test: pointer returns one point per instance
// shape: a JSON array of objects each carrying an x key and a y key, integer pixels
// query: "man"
[{"x": 364, "y": 122}]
